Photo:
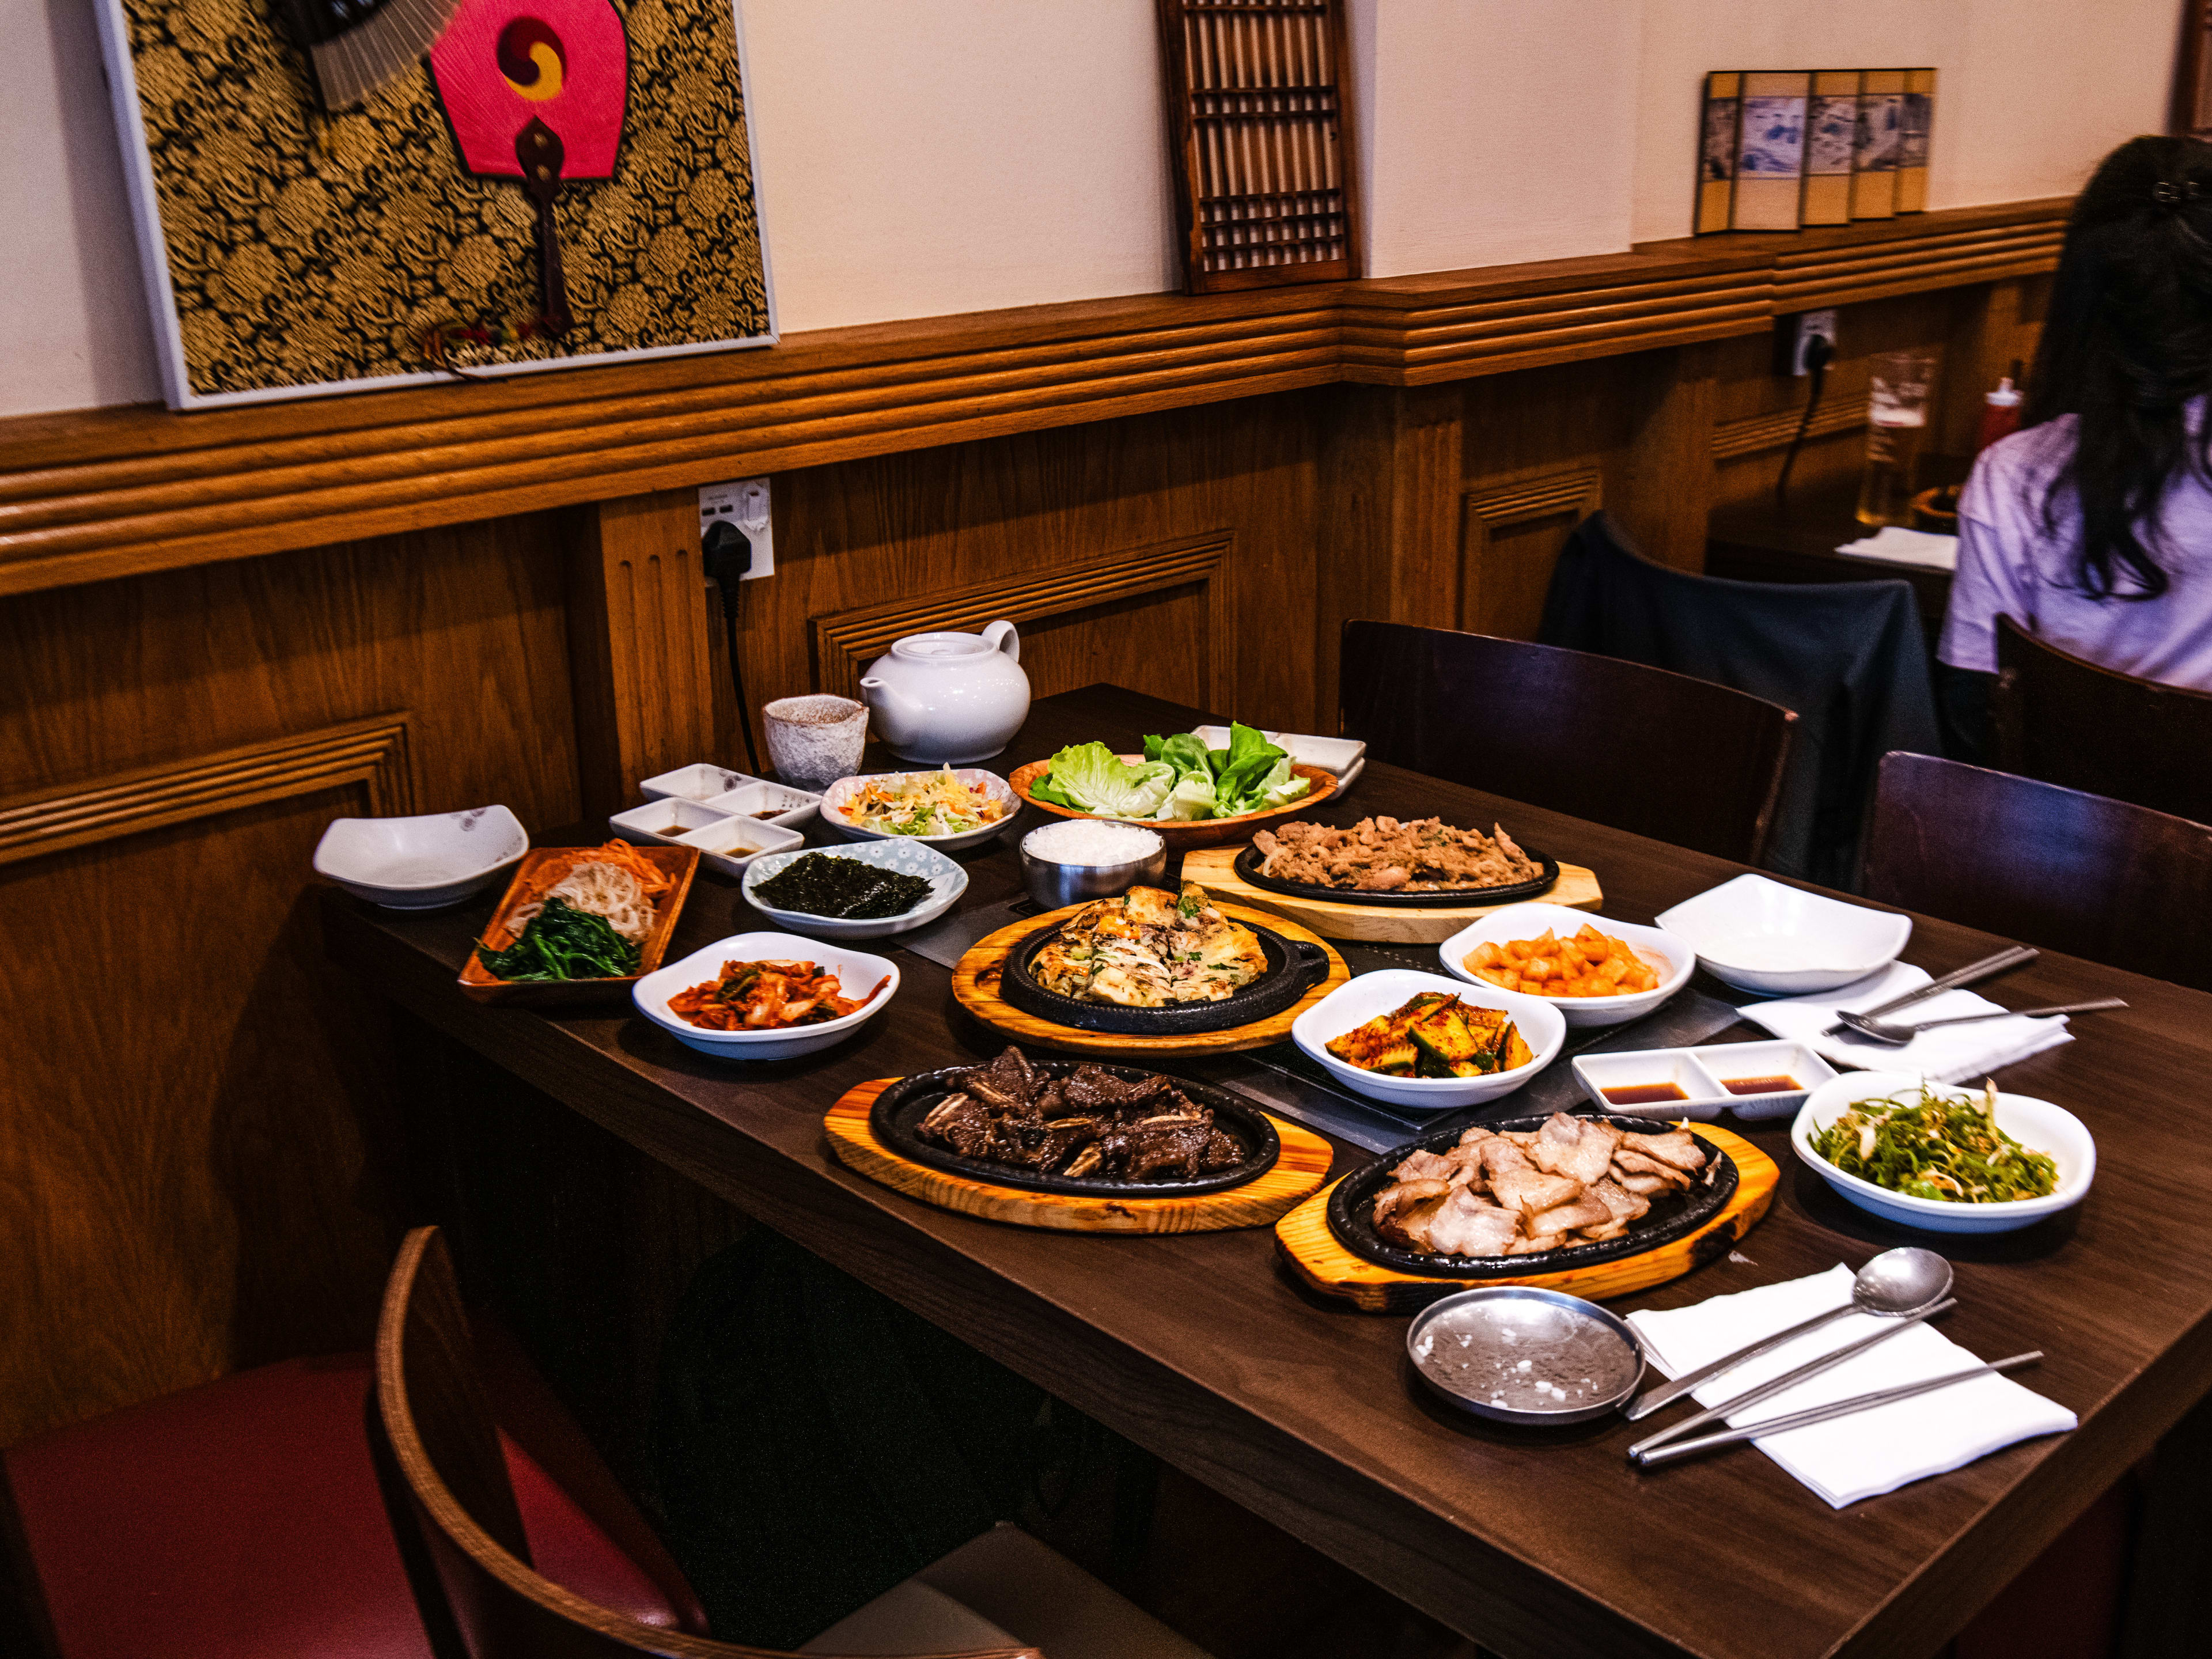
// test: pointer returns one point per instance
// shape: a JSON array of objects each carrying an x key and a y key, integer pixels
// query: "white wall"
[
  {"x": 920, "y": 157},
  {"x": 2031, "y": 92}
]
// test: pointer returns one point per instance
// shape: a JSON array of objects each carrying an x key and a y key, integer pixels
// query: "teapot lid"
[{"x": 938, "y": 647}]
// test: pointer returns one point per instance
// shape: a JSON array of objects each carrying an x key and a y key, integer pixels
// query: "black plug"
[
  {"x": 1818, "y": 354},
  {"x": 727, "y": 553}
]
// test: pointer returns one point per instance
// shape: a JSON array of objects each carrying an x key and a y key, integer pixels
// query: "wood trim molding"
[
  {"x": 844, "y": 641},
  {"x": 106, "y": 493},
  {"x": 370, "y": 753},
  {"x": 1754, "y": 434},
  {"x": 1579, "y": 492}
]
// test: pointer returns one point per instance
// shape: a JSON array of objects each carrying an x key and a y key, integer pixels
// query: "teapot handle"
[{"x": 1000, "y": 636}]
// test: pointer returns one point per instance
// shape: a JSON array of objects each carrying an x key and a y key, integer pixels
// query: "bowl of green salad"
[
  {"x": 1188, "y": 792},
  {"x": 1941, "y": 1158}
]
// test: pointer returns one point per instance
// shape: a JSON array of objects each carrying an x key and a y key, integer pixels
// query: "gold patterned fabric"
[{"x": 305, "y": 248}]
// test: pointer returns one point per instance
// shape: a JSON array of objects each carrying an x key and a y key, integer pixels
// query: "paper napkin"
[
  {"x": 1907, "y": 547},
  {"x": 1950, "y": 1054},
  {"x": 1867, "y": 1453}
]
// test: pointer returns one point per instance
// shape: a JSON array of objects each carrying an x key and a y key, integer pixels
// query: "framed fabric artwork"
[{"x": 351, "y": 194}]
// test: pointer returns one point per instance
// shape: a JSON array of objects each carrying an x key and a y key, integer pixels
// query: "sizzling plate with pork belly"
[
  {"x": 1150, "y": 949},
  {"x": 1087, "y": 1123},
  {"x": 1574, "y": 1181}
]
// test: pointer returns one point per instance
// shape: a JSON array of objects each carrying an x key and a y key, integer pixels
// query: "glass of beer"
[{"x": 1897, "y": 423}]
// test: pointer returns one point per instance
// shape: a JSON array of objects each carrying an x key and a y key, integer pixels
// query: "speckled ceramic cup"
[{"x": 814, "y": 741}]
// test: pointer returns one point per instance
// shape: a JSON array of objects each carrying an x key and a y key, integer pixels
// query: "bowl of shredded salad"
[
  {"x": 951, "y": 806},
  {"x": 1944, "y": 1158}
]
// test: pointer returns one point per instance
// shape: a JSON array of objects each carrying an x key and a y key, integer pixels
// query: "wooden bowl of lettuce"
[{"x": 1192, "y": 795}]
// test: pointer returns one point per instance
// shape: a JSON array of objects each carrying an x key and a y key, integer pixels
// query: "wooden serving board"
[
  {"x": 1181, "y": 834},
  {"x": 1302, "y": 1167},
  {"x": 976, "y": 987},
  {"x": 1215, "y": 869},
  {"x": 1303, "y": 1239}
]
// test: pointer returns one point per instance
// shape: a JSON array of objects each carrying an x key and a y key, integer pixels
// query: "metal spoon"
[
  {"x": 1888, "y": 1031},
  {"x": 1894, "y": 1285}
]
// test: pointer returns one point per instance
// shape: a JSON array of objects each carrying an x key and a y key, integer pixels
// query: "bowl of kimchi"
[{"x": 767, "y": 996}]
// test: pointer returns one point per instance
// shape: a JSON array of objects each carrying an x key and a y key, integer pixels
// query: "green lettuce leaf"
[
  {"x": 1191, "y": 798},
  {"x": 1091, "y": 778},
  {"x": 1278, "y": 787},
  {"x": 1251, "y": 760}
]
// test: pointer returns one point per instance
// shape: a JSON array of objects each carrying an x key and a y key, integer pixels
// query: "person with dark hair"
[{"x": 2092, "y": 526}]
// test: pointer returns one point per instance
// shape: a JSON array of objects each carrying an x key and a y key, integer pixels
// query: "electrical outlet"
[
  {"x": 745, "y": 504},
  {"x": 1810, "y": 325}
]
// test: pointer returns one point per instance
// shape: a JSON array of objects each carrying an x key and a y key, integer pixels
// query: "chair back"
[
  {"x": 452, "y": 1495},
  {"x": 1680, "y": 760},
  {"x": 2099, "y": 879},
  {"x": 2064, "y": 720}
]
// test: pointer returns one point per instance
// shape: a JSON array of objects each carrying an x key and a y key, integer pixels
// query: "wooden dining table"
[{"x": 1205, "y": 1349}]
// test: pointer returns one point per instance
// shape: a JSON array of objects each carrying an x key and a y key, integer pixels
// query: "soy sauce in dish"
[
  {"x": 1643, "y": 1094},
  {"x": 1784, "y": 1085}
]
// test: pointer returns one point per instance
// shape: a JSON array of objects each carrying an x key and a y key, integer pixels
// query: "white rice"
[{"x": 1078, "y": 842}]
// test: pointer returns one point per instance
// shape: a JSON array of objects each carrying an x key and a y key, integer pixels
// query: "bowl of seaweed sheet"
[{"x": 870, "y": 889}]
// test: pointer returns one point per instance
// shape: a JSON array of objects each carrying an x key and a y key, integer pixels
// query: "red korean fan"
[{"x": 535, "y": 90}]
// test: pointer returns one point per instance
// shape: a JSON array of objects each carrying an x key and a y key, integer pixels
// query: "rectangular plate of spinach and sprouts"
[{"x": 579, "y": 922}]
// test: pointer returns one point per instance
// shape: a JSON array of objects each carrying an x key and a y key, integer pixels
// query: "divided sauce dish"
[
  {"x": 1360, "y": 999},
  {"x": 857, "y": 971},
  {"x": 1674, "y": 959},
  {"x": 1709, "y": 1079}
]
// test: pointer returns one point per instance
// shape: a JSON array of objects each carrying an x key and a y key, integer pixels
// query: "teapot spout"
[{"x": 882, "y": 695}]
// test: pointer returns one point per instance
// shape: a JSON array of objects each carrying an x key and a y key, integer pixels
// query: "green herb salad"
[{"x": 1931, "y": 1143}]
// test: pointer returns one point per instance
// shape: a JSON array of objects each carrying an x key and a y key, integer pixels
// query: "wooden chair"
[
  {"x": 475, "y": 1582},
  {"x": 2066, "y": 721},
  {"x": 2099, "y": 879},
  {"x": 1678, "y": 759}
]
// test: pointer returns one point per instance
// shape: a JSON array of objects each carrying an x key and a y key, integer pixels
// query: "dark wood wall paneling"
[{"x": 197, "y": 1164}]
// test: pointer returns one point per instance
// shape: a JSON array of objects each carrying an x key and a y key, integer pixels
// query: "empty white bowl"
[
  {"x": 947, "y": 881},
  {"x": 1358, "y": 1001},
  {"x": 2036, "y": 1124},
  {"x": 731, "y": 844},
  {"x": 1762, "y": 935},
  {"x": 857, "y": 973},
  {"x": 701, "y": 781},
  {"x": 421, "y": 863},
  {"x": 839, "y": 796},
  {"x": 1674, "y": 960}
]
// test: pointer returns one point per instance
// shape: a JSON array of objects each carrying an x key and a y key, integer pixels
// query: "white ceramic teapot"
[{"x": 949, "y": 698}]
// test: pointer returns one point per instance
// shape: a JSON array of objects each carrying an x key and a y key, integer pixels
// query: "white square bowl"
[
  {"x": 1762, "y": 935},
  {"x": 1703, "y": 1098},
  {"x": 1359, "y": 999},
  {"x": 839, "y": 795},
  {"x": 667, "y": 820},
  {"x": 1772, "y": 1057},
  {"x": 2036, "y": 1124},
  {"x": 732, "y": 844},
  {"x": 702, "y": 780},
  {"x": 421, "y": 863},
  {"x": 947, "y": 881},
  {"x": 1675, "y": 961},
  {"x": 769, "y": 803},
  {"x": 856, "y": 971}
]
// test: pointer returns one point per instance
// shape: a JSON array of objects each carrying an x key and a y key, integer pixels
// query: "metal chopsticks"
[
  {"x": 2016, "y": 956},
  {"x": 1787, "y": 1379},
  {"x": 1859, "y": 1402}
]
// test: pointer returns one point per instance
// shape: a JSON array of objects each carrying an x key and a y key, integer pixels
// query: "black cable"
[
  {"x": 1817, "y": 351},
  {"x": 727, "y": 553}
]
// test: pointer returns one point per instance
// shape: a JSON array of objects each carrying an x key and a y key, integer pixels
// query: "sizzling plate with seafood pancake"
[{"x": 1150, "y": 949}]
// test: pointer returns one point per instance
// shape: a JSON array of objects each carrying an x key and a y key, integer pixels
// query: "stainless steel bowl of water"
[{"x": 1523, "y": 1355}]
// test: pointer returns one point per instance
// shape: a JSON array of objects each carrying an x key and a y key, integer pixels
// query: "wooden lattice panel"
[{"x": 1261, "y": 126}]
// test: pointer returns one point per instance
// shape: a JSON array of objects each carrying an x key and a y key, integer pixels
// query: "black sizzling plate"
[
  {"x": 1351, "y": 1211},
  {"x": 1294, "y": 967},
  {"x": 1547, "y": 877},
  {"x": 909, "y": 1100}
]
